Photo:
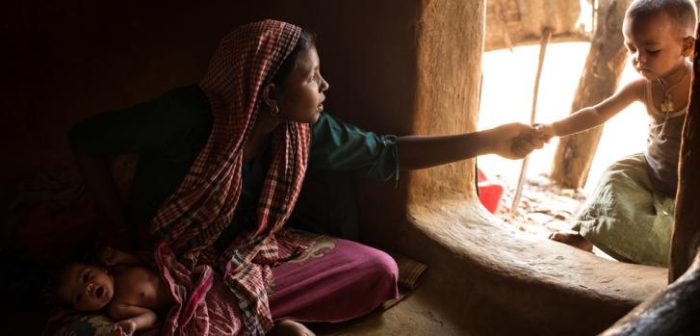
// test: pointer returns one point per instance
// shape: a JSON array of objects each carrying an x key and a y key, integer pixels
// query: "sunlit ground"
[{"x": 507, "y": 97}]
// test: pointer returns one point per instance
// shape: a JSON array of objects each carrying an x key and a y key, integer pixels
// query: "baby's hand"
[
  {"x": 109, "y": 256},
  {"x": 545, "y": 131},
  {"x": 124, "y": 328}
]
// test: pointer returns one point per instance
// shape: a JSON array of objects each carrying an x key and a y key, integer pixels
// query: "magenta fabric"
[{"x": 337, "y": 280}]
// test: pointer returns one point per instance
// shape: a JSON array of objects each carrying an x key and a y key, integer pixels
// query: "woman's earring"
[{"x": 275, "y": 110}]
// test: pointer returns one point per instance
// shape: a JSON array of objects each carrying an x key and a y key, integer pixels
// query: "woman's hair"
[
  {"x": 307, "y": 40},
  {"x": 682, "y": 13}
]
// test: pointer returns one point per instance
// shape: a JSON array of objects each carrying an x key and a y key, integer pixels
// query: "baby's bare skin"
[
  {"x": 140, "y": 286},
  {"x": 139, "y": 294}
]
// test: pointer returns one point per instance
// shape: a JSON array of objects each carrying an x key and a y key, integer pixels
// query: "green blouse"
[{"x": 168, "y": 132}]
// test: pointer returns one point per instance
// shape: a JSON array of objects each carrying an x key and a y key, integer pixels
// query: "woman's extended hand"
[{"x": 514, "y": 141}]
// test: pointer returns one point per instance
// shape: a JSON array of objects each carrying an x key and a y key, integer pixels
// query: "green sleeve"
[{"x": 338, "y": 146}]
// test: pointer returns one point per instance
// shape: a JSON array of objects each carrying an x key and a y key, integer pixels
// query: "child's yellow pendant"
[{"x": 667, "y": 105}]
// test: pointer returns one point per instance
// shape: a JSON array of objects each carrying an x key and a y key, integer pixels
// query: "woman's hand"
[{"x": 513, "y": 141}]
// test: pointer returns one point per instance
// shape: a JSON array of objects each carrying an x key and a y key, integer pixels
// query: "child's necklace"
[{"x": 667, "y": 103}]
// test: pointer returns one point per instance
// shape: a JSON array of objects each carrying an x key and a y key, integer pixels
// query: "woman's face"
[
  {"x": 302, "y": 93},
  {"x": 85, "y": 287}
]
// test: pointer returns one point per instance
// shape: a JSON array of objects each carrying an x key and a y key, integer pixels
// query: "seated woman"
[{"x": 220, "y": 168}]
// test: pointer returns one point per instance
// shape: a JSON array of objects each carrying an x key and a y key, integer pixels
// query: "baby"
[{"x": 132, "y": 293}]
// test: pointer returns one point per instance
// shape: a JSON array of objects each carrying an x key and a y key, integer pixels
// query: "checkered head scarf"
[{"x": 204, "y": 204}]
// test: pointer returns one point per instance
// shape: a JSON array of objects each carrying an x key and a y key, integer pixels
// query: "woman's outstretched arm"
[{"x": 512, "y": 141}]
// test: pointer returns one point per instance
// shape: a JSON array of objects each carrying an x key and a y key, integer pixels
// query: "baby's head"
[
  {"x": 659, "y": 34},
  {"x": 84, "y": 287}
]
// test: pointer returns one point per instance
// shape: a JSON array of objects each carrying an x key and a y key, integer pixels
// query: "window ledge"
[{"x": 491, "y": 279}]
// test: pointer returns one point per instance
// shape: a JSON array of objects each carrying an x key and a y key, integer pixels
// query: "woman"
[{"x": 221, "y": 165}]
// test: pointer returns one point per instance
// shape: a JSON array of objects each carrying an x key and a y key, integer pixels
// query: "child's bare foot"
[
  {"x": 573, "y": 239},
  {"x": 290, "y": 328}
]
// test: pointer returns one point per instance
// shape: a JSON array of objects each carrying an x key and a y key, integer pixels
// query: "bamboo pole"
[{"x": 544, "y": 41}]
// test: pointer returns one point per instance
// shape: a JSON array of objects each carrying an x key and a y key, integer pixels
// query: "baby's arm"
[
  {"x": 113, "y": 257},
  {"x": 596, "y": 115},
  {"x": 131, "y": 318}
]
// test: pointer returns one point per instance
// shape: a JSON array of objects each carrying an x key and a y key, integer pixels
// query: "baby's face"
[{"x": 85, "y": 287}]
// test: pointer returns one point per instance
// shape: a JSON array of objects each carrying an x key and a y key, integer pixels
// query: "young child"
[
  {"x": 132, "y": 293},
  {"x": 630, "y": 214}
]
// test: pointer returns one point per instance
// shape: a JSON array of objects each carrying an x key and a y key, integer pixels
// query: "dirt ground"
[{"x": 544, "y": 207}]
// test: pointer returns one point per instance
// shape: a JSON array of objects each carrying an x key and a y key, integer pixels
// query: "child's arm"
[
  {"x": 590, "y": 117},
  {"x": 131, "y": 318},
  {"x": 113, "y": 257}
]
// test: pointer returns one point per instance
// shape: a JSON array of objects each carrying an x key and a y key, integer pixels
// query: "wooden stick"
[{"x": 546, "y": 36}]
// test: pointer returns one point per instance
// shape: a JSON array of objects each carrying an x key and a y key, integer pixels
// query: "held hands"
[
  {"x": 124, "y": 328},
  {"x": 514, "y": 141},
  {"x": 545, "y": 131}
]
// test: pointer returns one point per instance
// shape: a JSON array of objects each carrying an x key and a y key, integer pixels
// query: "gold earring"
[{"x": 275, "y": 110}]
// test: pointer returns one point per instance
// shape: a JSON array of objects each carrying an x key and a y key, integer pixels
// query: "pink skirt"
[{"x": 335, "y": 280}]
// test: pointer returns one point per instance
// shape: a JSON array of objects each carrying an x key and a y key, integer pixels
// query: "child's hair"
[{"x": 683, "y": 13}]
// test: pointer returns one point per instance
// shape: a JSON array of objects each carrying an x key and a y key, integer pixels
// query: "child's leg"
[
  {"x": 574, "y": 239},
  {"x": 624, "y": 216}
]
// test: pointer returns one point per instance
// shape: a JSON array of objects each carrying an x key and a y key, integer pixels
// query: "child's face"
[
  {"x": 85, "y": 287},
  {"x": 655, "y": 45}
]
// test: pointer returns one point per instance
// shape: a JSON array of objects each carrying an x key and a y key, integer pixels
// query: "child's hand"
[
  {"x": 513, "y": 141},
  {"x": 108, "y": 256},
  {"x": 545, "y": 131},
  {"x": 124, "y": 328},
  {"x": 112, "y": 257}
]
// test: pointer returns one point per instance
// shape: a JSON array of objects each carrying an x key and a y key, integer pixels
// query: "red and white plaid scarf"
[{"x": 192, "y": 219}]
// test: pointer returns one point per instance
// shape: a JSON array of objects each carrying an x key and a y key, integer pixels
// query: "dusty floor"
[{"x": 543, "y": 208}]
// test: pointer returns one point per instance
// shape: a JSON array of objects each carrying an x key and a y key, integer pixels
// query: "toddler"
[{"x": 630, "y": 215}]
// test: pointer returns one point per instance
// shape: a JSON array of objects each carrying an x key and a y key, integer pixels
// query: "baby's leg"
[
  {"x": 572, "y": 238},
  {"x": 290, "y": 328}
]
